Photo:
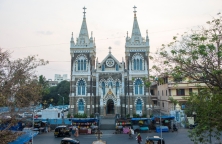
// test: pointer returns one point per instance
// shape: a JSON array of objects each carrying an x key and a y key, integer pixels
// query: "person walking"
[
  {"x": 139, "y": 138},
  {"x": 77, "y": 132},
  {"x": 73, "y": 130}
]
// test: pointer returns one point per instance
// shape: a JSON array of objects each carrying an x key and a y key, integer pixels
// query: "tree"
[
  {"x": 63, "y": 89},
  {"x": 45, "y": 85},
  {"x": 197, "y": 55},
  {"x": 18, "y": 87}
]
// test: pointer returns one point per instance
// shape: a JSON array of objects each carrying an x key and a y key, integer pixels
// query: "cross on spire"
[
  {"x": 110, "y": 49},
  {"x": 84, "y": 8},
  {"x": 134, "y": 9}
]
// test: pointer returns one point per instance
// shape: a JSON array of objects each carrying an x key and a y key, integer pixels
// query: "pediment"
[{"x": 110, "y": 61}]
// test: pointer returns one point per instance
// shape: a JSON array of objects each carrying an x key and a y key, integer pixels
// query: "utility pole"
[{"x": 62, "y": 108}]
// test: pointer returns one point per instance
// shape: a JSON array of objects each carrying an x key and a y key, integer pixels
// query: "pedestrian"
[
  {"x": 139, "y": 138},
  {"x": 77, "y": 132},
  {"x": 73, "y": 130}
]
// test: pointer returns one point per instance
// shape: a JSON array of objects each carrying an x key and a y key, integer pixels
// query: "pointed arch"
[
  {"x": 138, "y": 61},
  {"x": 103, "y": 87},
  {"x": 139, "y": 105},
  {"x": 81, "y": 105},
  {"x": 81, "y": 62},
  {"x": 84, "y": 68},
  {"x": 138, "y": 87},
  {"x": 81, "y": 87},
  {"x": 141, "y": 64}
]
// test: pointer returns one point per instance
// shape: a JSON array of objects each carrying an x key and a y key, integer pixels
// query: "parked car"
[
  {"x": 69, "y": 141},
  {"x": 27, "y": 114}
]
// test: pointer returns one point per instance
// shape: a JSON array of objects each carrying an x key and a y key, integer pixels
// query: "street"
[{"x": 180, "y": 137}]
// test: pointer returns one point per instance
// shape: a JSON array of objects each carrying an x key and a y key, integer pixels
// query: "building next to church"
[{"x": 110, "y": 86}]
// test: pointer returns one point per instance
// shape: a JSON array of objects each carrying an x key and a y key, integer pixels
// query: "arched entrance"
[{"x": 110, "y": 107}]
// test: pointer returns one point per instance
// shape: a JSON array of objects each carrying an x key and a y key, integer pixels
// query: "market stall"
[
  {"x": 85, "y": 125},
  {"x": 123, "y": 125},
  {"x": 165, "y": 122},
  {"x": 140, "y": 124},
  {"x": 41, "y": 126}
]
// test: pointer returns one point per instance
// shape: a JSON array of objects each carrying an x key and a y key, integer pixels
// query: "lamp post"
[
  {"x": 62, "y": 108},
  {"x": 156, "y": 79}
]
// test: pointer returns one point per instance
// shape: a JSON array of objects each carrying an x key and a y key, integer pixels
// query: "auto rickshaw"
[
  {"x": 152, "y": 140},
  {"x": 62, "y": 131}
]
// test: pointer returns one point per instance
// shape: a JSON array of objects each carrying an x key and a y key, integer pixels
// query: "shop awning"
[
  {"x": 84, "y": 120},
  {"x": 26, "y": 137}
]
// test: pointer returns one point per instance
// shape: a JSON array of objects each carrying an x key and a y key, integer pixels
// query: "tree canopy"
[
  {"x": 197, "y": 54},
  {"x": 63, "y": 89},
  {"x": 18, "y": 87}
]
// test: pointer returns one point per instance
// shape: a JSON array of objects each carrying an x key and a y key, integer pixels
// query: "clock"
[{"x": 110, "y": 62}]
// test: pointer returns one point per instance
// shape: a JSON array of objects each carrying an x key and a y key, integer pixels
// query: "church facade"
[{"x": 109, "y": 87}]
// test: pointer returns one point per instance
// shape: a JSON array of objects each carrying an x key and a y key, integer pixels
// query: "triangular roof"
[{"x": 109, "y": 55}]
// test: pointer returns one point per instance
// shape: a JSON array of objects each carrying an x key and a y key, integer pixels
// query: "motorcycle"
[{"x": 174, "y": 128}]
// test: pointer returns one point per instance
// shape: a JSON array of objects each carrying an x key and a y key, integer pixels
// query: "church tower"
[
  {"x": 137, "y": 65},
  {"x": 83, "y": 54}
]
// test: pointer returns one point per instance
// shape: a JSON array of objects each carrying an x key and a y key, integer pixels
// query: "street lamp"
[
  {"x": 62, "y": 108},
  {"x": 156, "y": 79}
]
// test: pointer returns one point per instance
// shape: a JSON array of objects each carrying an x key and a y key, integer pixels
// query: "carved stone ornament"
[{"x": 110, "y": 62}]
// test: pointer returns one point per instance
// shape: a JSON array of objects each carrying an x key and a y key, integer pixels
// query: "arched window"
[
  {"x": 81, "y": 88},
  {"x": 140, "y": 64},
  {"x": 137, "y": 64},
  {"x": 117, "y": 67},
  {"x": 137, "y": 60},
  {"x": 78, "y": 64},
  {"x": 103, "y": 87},
  {"x": 81, "y": 106},
  {"x": 139, "y": 105},
  {"x": 110, "y": 83},
  {"x": 84, "y": 65},
  {"x": 103, "y": 67},
  {"x": 134, "y": 63},
  {"x": 138, "y": 87},
  {"x": 81, "y": 65},
  {"x": 81, "y": 62},
  {"x": 117, "y": 87}
]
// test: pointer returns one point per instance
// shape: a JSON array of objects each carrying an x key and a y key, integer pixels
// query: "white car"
[{"x": 27, "y": 114}]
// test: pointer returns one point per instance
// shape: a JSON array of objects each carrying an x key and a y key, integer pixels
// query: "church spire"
[
  {"x": 72, "y": 43},
  {"x": 136, "y": 35},
  {"x": 83, "y": 34}
]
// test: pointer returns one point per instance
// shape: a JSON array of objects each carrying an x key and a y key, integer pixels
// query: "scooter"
[{"x": 174, "y": 128}]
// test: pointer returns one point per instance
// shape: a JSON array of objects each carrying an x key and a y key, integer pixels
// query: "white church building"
[{"x": 110, "y": 86}]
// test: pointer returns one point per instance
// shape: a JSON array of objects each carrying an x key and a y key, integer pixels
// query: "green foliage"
[
  {"x": 78, "y": 115},
  {"x": 63, "y": 89},
  {"x": 207, "y": 105},
  {"x": 128, "y": 116},
  {"x": 144, "y": 115},
  {"x": 91, "y": 115},
  {"x": 197, "y": 56},
  {"x": 136, "y": 115},
  {"x": 172, "y": 100},
  {"x": 68, "y": 115}
]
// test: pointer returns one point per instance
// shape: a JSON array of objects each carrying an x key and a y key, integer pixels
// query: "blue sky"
[{"x": 44, "y": 27}]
